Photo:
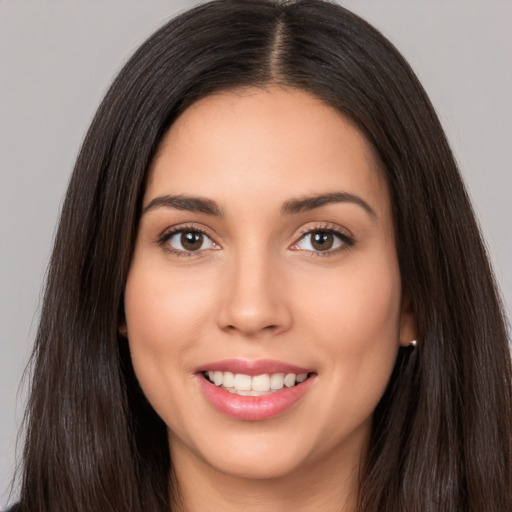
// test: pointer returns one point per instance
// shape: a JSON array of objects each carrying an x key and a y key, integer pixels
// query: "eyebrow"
[
  {"x": 203, "y": 205},
  {"x": 316, "y": 201},
  {"x": 189, "y": 203}
]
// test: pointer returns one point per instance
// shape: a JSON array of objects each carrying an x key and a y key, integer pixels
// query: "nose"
[{"x": 254, "y": 299}]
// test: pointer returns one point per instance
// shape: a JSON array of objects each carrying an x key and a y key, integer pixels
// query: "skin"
[{"x": 260, "y": 290}]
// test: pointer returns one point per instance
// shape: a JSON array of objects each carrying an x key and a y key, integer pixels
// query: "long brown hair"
[{"x": 442, "y": 434}]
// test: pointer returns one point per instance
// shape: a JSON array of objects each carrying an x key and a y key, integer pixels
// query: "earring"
[{"x": 413, "y": 343}]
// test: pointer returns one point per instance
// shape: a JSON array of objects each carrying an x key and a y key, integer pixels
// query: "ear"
[
  {"x": 123, "y": 330},
  {"x": 408, "y": 331}
]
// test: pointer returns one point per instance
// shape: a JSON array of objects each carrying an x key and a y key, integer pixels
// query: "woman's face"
[{"x": 265, "y": 261}]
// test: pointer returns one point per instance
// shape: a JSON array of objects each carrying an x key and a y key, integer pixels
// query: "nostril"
[{"x": 252, "y": 328}]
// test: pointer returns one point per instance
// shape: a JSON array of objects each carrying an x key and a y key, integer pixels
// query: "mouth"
[
  {"x": 258, "y": 385},
  {"x": 256, "y": 390}
]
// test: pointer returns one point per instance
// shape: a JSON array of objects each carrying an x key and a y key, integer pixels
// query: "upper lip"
[{"x": 252, "y": 368}]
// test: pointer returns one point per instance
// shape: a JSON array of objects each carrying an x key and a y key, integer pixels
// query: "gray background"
[{"x": 58, "y": 57}]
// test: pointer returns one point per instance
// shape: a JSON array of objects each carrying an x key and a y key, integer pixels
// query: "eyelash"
[
  {"x": 346, "y": 241},
  {"x": 167, "y": 235}
]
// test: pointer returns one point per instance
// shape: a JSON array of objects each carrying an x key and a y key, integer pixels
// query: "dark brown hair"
[{"x": 442, "y": 434}]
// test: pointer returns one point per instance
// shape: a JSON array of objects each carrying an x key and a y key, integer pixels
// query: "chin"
[
  {"x": 246, "y": 455},
  {"x": 257, "y": 467}
]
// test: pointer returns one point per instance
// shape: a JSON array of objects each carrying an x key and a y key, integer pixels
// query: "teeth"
[
  {"x": 242, "y": 382},
  {"x": 260, "y": 383},
  {"x": 228, "y": 380},
  {"x": 246, "y": 385},
  {"x": 277, "y": 381},
  {"x": 249, "y": 393},
  {"x": 289, "y": 380},
  {"x": 218, "y": 378}
]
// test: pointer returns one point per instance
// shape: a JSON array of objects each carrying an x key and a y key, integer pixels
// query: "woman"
[{"x": 268, "y": 290}]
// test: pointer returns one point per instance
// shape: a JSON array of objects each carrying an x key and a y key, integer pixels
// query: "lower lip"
[{"x": 253, "y": 408}]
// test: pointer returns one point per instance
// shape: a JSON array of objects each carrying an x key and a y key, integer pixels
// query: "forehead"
[{"x": 276, "y": 141}]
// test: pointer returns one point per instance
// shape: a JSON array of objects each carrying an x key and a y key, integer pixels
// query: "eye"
[
  {"x": 188, "y": 240},
  {"x": 322, "y": 240}
]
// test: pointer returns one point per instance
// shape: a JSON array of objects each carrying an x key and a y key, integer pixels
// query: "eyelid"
[
  {"x": 171, "y": 231},
  {"x": 343, "y": 234},
  {"x": 324, "y": 226}
]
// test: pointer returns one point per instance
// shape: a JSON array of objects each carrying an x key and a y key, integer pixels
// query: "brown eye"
[
  {"x": 188, "y": 241},
  {"x": 322, "y": 240},
  {"x": 191, "y": 240}
]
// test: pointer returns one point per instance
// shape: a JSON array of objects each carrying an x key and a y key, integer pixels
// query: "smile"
[
  {"x": 259, "y": 385},
  {"x": 254, "y": 390}
]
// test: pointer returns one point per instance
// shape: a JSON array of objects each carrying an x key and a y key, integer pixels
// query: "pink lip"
[
  {"x": 253, "y": 408},
  {"x": 251, "y": 368}
]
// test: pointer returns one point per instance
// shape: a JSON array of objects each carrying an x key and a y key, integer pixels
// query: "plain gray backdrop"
[{"x": 57, "y": 59}]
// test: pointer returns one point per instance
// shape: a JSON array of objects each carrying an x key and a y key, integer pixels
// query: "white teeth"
[
  {"x": 261, "y": 383},
  {"x": 277, "y": 381},
  {"x": 218, "y": 378},
  {"x": 229, "y": 380},
  {"x": 246, "y": 385},
  {"x": 250, "y": 393},
  {"x": 289, "y": 380},
  {"x": 242, "y": 382}
]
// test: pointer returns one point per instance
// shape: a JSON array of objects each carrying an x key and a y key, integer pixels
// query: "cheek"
[
  {"x": 357, "y": 322},
  {"x": 360, "y": 307},
  {"x": 163, "y": 306},
  {"x": 164, "y": 311}
]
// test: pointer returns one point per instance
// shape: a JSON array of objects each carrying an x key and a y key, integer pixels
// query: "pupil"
[
  {"x": 322, "y": 241},
  {"x": 192, "y": 240}
]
